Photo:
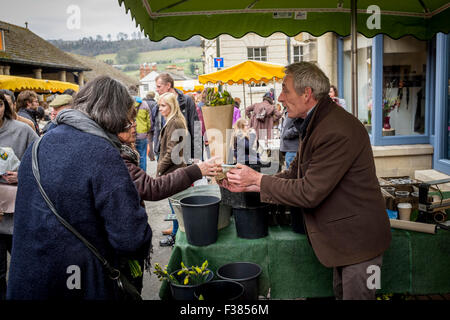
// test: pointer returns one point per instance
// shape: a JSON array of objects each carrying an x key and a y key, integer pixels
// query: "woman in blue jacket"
[{"x": 84, "y": 176}]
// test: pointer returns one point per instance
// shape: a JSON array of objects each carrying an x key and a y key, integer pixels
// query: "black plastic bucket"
[
  {"x": 251, "y": 223},
  {"x": 219, "y": 290},
  {"x": 246, "y": 273},
  {"x": 185, "y": 292},
  {"x": 200, "y": 216},
  {"x": 297, "y": 220}
]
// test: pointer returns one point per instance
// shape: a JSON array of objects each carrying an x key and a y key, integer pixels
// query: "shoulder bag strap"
[{"x": 113, "y": 273}]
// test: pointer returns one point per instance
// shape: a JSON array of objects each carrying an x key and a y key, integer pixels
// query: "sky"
[{"x": 69, "y": 19}]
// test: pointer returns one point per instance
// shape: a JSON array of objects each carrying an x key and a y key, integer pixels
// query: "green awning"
[{"x": 183, "y": 19}]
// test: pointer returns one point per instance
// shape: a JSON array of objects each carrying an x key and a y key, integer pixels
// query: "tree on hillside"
[
  {"x": 125, "y": 56},
  {"x": 192, "y": 68},
  {"x": 92, "y": 47}
]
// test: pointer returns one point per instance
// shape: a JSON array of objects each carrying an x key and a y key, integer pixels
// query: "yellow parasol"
[{"x": 15, "y": 83}]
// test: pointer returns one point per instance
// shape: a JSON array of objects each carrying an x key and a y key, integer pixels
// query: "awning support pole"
[{"x": 354, "y": 50}]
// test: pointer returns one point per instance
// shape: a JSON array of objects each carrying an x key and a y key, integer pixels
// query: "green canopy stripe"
[{"x": 184, "y": 19}]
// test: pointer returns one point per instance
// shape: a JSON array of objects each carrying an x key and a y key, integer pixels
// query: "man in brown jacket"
[{"x": 333, "y": 179}]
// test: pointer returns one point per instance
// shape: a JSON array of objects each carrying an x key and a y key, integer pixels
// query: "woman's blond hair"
[
  {"x": 175, "y": 111},
  {"x": 239, "y": 130}
]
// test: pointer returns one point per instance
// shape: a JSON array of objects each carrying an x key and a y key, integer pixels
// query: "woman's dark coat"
[{"x": 89, "y": 184}]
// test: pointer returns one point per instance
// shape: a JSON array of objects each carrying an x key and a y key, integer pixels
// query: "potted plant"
[
  {"x": 218, "y": 117},
  {"x": 184, "y": 281},
  {"x": 389, "y": 104}
]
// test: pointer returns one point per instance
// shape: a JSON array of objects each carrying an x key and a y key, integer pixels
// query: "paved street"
[{"x": 156, "y": 211}]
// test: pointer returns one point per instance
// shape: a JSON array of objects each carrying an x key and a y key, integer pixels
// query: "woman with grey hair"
[{"x": 86, "y": 179}]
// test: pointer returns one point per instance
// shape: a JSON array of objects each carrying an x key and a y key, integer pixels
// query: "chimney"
[
  {"x": 147, "y": 69},
  {"x": 141, "y": 72},
  {"x": 154, "y": 67}
]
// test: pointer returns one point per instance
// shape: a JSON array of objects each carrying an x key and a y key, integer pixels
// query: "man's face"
[
  {"x": 57, "y": 110},
  {"x": 296, "y": 105},
  {"x": 162, "y": 87},
  {"x": 34, "y": 104}
]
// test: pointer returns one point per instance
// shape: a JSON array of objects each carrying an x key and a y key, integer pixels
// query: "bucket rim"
[
  {"x": 200, "y": 205},
  {"x": 240, "y": 279}
]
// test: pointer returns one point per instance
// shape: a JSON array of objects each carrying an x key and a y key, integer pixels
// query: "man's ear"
[{"x": 308, "y": 94}]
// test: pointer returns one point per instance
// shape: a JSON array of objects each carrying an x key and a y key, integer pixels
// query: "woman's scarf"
[
  {"x": 83, "y": 122},
  {"x": 130, "y": 153}
]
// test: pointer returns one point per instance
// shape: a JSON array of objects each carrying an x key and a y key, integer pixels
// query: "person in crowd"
[
  {"x": 44, "y": 108},
  {"x": 244, "y": 144},
  {"x": 334, "y": 95},
  {"x": 203, "y": 132},
  {"x": 200, "y": 102},
  {"x": 175, "y": 126},
  {"x": 289, "y": 139},
  {"x": 153, "y": 107},
  {"x": 18, "y": 136},
  {"x": 86, "y": 179},
  {"x": 201, "y": 98},
  {"x": 144, "y": 124},
  {"x": 262, "y": 115},
  {"x": 59, "y": 103},
  {"x": 164, "y": 83},
  {"x": 9, "y": 95},
  {"x": 332, "y": 179},
  {"x": 155, "y": 189},
  {"x": 237, "y": 111},
  {"x": 27, "y": 107}
]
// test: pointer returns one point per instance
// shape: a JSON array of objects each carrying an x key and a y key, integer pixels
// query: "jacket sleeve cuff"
[
  {"x": 194, "y": 173},
  {"x": 264, "y": 195}
]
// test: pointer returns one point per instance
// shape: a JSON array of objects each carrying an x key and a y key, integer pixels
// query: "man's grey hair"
[
  {"x": 107, "y": 102},
  {"x": 307, "y": 74}
]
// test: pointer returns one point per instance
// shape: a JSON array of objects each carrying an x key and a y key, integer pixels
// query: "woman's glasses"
[{"x": 130, "y": 125}]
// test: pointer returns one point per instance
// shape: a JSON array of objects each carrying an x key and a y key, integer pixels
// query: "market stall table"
[{"x": 415, "y": 263}]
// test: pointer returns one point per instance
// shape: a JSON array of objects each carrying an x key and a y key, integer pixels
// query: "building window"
[
  {"x": 364, "y": 79},
  {"x": 404, "y": 70},
  {"x": 145, "y": 87},
  {"x": 298, "y": 54},
  {"x": 259, "y": 54}
]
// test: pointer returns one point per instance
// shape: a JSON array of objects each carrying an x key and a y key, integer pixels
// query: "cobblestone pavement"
[{"x": 157, "y": 211}]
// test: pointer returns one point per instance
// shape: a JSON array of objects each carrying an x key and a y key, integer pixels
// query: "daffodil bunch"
[
  {"x": 193, "y": 276},
  {"x": 163, "y": 274}
]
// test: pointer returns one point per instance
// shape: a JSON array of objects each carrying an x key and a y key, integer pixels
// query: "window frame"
[
  {"x": 377, "y": 138},
  {"x": 440, "y": 160},
  {"x": 300, "y": 55},
  {"x": 253, "y": 57}
]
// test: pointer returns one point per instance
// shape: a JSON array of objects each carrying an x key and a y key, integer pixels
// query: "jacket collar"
[
  {"x": 181, "y": 98},
  {"x": 321, "y": 109}
]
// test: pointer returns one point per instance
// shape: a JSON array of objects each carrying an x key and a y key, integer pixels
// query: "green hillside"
[{"x": 182, "y": 57}]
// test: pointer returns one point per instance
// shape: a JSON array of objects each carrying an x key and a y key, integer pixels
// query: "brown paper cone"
[
  {"x": 219, "y": 118},
  {"x": 413, "y": 226}
]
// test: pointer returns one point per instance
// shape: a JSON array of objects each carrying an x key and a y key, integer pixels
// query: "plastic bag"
[{"x": 8, "y": 160}]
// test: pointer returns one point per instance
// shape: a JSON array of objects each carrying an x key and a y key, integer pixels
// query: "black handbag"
[{"x": 128, "y": 291}]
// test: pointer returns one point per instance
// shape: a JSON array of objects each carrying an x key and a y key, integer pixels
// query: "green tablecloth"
[{"x": 415, "y": 263}]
